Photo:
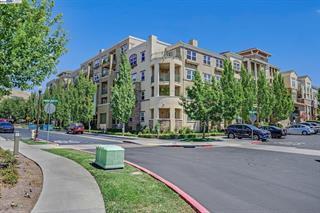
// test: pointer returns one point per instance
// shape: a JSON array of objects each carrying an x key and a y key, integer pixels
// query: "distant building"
[{"x": 15, "y": 93}]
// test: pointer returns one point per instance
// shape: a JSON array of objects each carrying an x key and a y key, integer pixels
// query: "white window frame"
[
  {"x": 206, "y": 59},
  {"x": 207, "y": 77},
  {"x": 191, "y": 55},
  {"x": 190, "y": 73},
  {"x": 236, "y": 65},
  {"x": 133, "y": 60},
  {"x": 219, "y": 63},
  {"x": 218, "y": 77},
  {"x": 134, "y": 77},
  {"x": 142, "y": 116}
]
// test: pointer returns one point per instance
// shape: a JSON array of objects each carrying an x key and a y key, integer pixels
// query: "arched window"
[{"x": 133, "y": 60}]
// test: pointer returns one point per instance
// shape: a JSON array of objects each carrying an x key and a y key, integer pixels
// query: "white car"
[{"x": 299, "y": 129}]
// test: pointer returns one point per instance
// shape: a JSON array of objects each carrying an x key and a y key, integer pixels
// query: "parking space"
[{"x": 299, "y": 141}]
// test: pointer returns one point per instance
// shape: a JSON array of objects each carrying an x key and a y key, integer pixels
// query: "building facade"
[
  {"x": 161, "y": 72},
  {"x": 303, "y": 94}
]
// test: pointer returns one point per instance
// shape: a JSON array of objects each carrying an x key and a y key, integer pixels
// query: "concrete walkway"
[{"x": 67, "y": 187}]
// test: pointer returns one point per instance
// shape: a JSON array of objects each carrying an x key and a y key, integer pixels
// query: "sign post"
[
  {"x": 49, "y": 108},
  {"x": 253, "y": 118}
]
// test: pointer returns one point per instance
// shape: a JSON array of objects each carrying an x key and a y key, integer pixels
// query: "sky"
[{"x": 288, "y": 29}]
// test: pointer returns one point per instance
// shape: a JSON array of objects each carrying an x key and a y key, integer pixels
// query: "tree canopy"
[{"x": 31, "y": 42}]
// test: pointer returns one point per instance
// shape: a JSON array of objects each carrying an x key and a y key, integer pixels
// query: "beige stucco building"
[
  {"x": 303, "y": 94},
  {"x": 161, "y": 72}
]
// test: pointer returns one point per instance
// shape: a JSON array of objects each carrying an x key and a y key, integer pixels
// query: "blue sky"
[{"x": 288, "y": 29}]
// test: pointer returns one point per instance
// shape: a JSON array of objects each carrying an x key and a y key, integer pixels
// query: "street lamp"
[{"x": 38, "y": 114}]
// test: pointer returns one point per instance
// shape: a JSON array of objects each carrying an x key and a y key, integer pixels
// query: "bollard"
[{"x": 16, "y": 143}]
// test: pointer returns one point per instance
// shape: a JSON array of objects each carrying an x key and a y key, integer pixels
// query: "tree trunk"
[
  {"x": 203, "y": 130},
  {"x": 123, "y": 125}
]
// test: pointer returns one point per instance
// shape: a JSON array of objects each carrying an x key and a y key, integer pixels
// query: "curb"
[{"x": 191, "y": 201}]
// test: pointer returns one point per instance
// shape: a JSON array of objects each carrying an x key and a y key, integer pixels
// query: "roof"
[
  {"x": 254, "y": 49},
  {"x": 189, "y": 46},
  {"x": 289, "y": 71}
]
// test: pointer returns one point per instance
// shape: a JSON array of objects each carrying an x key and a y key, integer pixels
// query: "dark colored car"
[
  {"x": 75, "y": 128},
  {"x": 246, "y": 131},
  {"x": 6, "y": 127},
  {"x": 275, "y": 131}
]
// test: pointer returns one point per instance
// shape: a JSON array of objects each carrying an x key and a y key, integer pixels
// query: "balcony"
[{"x": 166, "y": 54}]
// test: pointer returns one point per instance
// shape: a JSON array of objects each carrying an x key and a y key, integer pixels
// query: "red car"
[{"x": 75, "y": 128}]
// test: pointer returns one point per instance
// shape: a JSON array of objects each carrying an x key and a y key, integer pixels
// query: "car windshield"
[
  {"x": 5, "y": 124},
  {"x": 253, "y": 127}
]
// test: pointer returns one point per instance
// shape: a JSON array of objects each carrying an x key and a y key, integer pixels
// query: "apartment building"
[
  {"x": 303, "y": 94},
  {"x": 161, "y": 72}
]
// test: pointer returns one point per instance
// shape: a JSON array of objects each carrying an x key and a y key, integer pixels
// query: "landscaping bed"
[
  {"x": 32, "y": 142},
  {"x": 20, "y": 183},
  {"x": 128, "y": 189}
]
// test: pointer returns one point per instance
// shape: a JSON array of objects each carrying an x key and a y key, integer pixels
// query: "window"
[
  {"x": 142, "y": 116},
  {"x": 104, "y": 59},
  {"x": 134, "y": 77},
  {"x": 206, "y": 59},
  {"x": 96, "y": 64},
  {"x": 133, "y": 60},
  {"x": 218, "y": 77},
  {"x": 191, "y": 55},
  {"x": 104, "y": 100},
  {"x": 207, "y": 77},
  {"x": 219, "y": 63},
  {"x": 190, "y": 74},
  {"x": 236, "y": 65},
  {"x": 104, "y": 72},
  {"x": 124, "y": 48},
  {"x": 293, "y": 82},
  {"x": 103, "y": 118},
  {"x": 142, "y": 75},
  {"x": 143, "y": 56},
  {"x": 152, "y": 91},
  {"x": 104, "y": 88},
  {"x": 142, "y": 95}
]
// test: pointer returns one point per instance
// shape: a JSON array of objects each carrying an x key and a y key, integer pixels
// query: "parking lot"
[{"x": 298, "y": 141}]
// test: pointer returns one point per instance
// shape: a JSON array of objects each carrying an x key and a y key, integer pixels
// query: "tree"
[
  {"x": 283, "y": 104},
  {"x": 215, "y": 102},
  {"x": 231, "y": 93},
  {"x": 82, "y": 94},
  {"x": 31, "y": 42},
  {"x": 31, "y": 107},
  {"x": 13, "y": 108},
  {"x": 248, "y": 87},
  {"x": 123, "y": 95},
  {"x": 264, "y": 97},
  {"x": 197, "y": 104}
]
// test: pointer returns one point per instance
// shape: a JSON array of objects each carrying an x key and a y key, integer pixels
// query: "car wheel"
[
  {"x": 81, "y": 133},
  {"x": 256, "y": 137},
  {"x": 304, "y": 132},
  {"x": 231, "y": 135}
]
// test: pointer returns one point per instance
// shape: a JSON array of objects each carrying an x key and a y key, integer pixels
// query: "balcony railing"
[
  {"x": 164, "y": 77},
  {"x": 165, "y": 54}
]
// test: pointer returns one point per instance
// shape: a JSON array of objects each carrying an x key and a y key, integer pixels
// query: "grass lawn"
[
  {"x": 32, "y": 142},
  {"x": 128, "y": 189}
]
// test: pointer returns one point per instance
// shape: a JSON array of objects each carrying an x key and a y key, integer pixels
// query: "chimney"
[{"x": 193, "y": 42}]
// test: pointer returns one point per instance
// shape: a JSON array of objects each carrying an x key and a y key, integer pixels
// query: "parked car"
[
  {"x": 275, "y": 131},
  {"x": 75, "y": 128},
  {"x": 299, "y": 129},
  {"x": 312, "y": 126},
  {"x": 6, "y": 127},
  {"x": 246, "y": 131},
  {"x": 3, "y": 120},
  {"x": 316, "y": 126}
]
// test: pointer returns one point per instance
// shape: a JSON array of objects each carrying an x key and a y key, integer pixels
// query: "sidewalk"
[{"x": 67, "y": 187}]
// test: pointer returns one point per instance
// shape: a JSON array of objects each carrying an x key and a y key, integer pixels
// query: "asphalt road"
[
  {"x": 299, "y": 141},
  {"x": 238, "y": 180},
  {"x": 65, "y": 139}
]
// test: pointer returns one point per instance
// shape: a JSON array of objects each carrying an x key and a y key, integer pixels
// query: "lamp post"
[{"x": 38, "y": 115}]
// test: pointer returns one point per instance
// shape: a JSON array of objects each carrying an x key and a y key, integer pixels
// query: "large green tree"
[
  {"x": 13, "y": 108},
  {"x": 197, "y": 104},
  {"x": 283, "y": 104},
  {"x": 123, "y": 95},
  {"x": 215, "y": 102},
  {"x": 249, "y": 96},
  {"x": 231, "y": 89},
  {"x": 265, "y": 99},
  {"x": 31, "y": 42}
]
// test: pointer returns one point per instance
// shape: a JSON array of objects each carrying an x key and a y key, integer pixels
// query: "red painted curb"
[{"x": 191, "y": 201}]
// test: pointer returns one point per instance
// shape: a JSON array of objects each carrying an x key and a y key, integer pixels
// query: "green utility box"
[{"x": 109, "y": 156}]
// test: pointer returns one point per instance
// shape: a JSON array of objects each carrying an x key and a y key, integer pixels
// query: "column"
[
  {"x": 172, "y": 119},
  {"x": 255, "y": 71},
  {"x": 171, "y": 82},
  {"x": 155, "y": 116},
  {"x": 156, "y": 80}
]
